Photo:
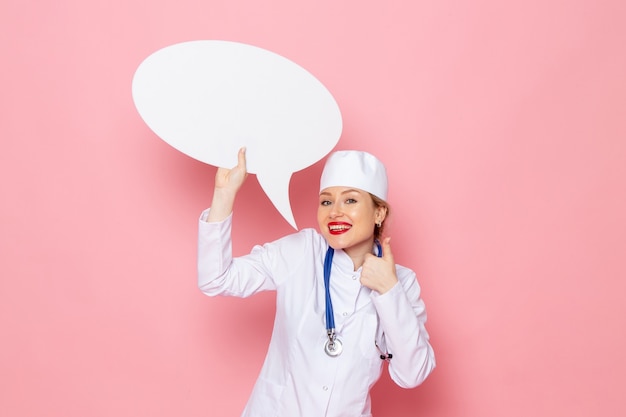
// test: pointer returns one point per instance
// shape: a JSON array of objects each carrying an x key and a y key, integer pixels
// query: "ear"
[{"x": 381, "y": 214}]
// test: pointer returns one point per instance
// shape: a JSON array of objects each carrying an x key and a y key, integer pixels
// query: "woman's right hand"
[
  {"x": 232, "y": 179},
  {"x": 227, "y": 184}
]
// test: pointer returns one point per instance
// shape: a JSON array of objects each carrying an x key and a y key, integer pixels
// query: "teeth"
[{"x": 335, "y": 227}]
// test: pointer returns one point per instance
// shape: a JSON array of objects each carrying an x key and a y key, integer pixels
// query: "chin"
[{"x": 337, "y": 242}]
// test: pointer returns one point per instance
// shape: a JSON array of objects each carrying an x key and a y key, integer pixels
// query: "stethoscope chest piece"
[{"x": 333, "y": 347}]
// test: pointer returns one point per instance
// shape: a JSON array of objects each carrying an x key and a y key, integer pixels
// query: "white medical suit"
[{"x": 298, "y": 378}]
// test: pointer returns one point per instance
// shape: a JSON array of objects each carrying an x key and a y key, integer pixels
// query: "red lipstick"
[{"x": 338, "y": 228}]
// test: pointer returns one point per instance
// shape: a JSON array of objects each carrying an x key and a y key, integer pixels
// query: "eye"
[
  {"x": 324, "y": 203},
  {"x": 350, "y": 201}
]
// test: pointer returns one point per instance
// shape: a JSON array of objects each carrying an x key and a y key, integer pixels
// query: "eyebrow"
[{"x": 351, "y": 190}]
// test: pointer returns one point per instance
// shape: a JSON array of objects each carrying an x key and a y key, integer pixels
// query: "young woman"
[{"x": 343, "y": 307}]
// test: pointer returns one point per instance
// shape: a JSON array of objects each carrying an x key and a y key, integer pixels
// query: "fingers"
[
  {"x": 241, "y": 158},
  {"x": 379, "y": 274},
  {"x": 232, "y": 179},
  {"x": 387, "y": 255}
]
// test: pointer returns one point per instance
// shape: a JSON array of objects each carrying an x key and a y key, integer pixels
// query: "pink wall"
[{"x": 504, "y": 128}]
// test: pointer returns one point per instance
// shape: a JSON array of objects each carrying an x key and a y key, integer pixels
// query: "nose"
[{"x": 335, "y": 211}]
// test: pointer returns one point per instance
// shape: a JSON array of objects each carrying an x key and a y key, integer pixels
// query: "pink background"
[{"x": 502, "y": 124}]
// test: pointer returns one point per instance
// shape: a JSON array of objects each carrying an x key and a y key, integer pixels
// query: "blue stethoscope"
[{"x": 333, "y": 346}]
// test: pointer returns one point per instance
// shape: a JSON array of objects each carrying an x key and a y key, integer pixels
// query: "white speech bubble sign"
[{"x": 208, "y": 98}]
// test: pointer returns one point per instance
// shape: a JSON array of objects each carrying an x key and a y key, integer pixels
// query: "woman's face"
[{"x": 347, "y": 217}]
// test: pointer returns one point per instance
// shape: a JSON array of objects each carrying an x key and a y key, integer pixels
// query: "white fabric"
[
  {"x": 356, "y": 169},
  {"x": 298, "y": 379}
]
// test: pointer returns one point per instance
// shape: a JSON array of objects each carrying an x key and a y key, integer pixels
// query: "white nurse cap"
[{"x": 356, "y": 169}]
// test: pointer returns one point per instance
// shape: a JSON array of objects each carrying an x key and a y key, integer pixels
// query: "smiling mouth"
[{"x": 338, "y": 228}]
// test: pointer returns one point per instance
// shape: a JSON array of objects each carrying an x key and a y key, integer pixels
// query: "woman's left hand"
[{"x": 379, "y": 274}]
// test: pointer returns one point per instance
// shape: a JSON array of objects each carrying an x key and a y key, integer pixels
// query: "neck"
[{"x": 357, "y": 254}]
